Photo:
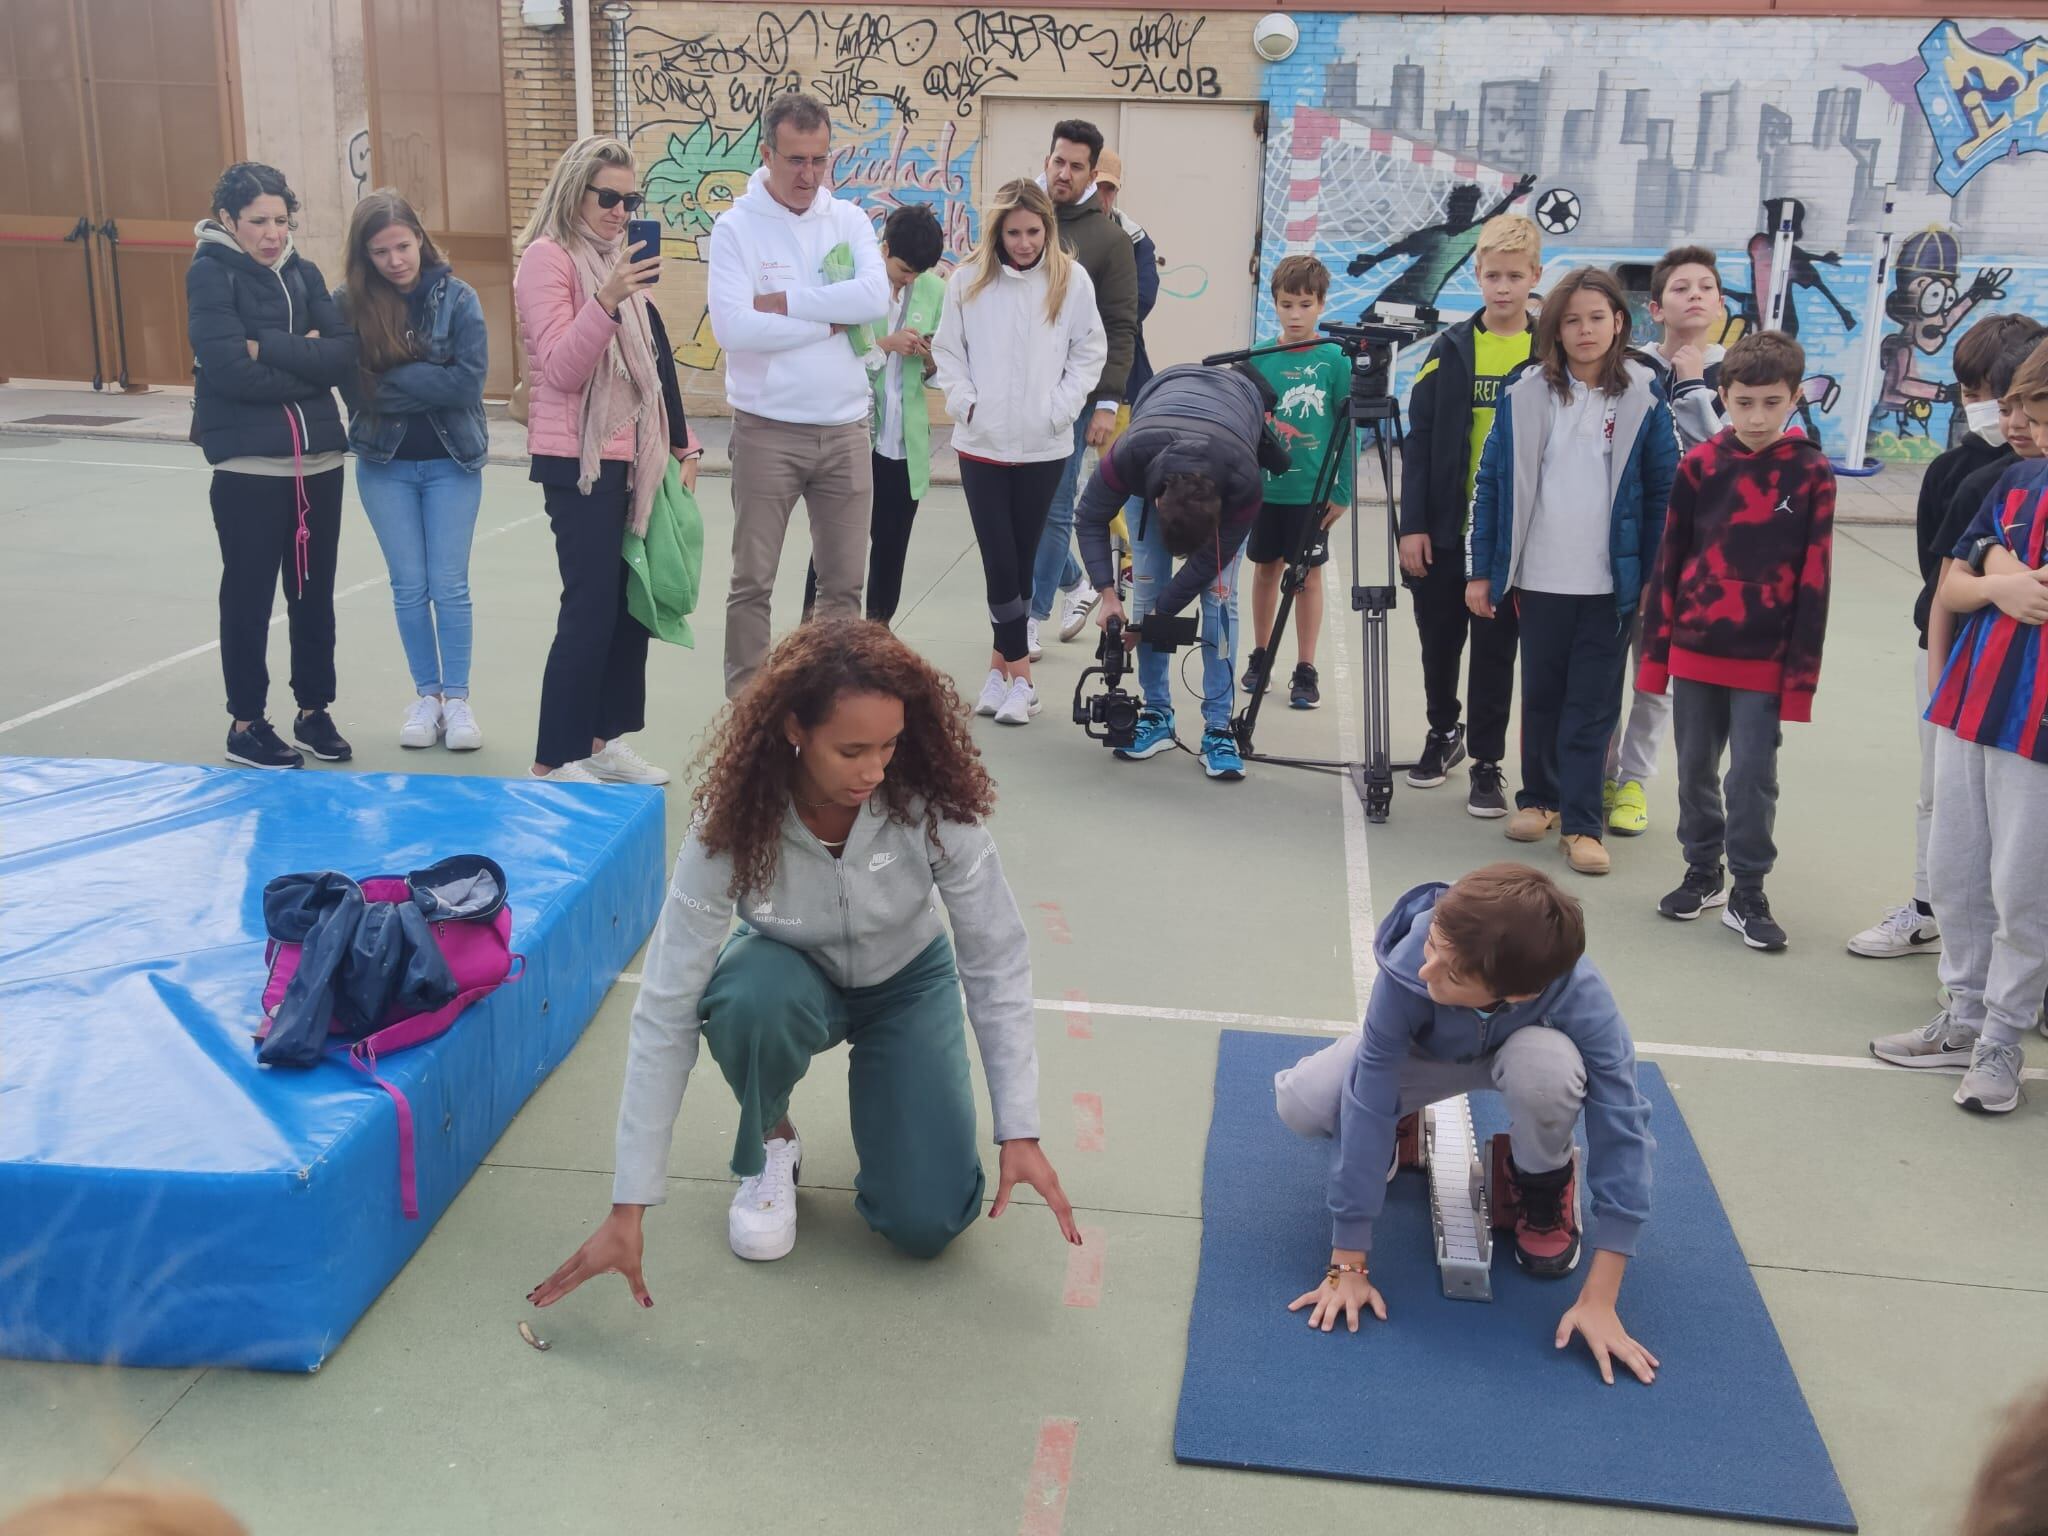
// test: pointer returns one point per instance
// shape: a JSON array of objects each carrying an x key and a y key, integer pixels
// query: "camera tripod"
[{"x": 1371, "y": 414}]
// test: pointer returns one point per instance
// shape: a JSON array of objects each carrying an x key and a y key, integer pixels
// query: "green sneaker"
[
  {"x": 1608, "y": 789},
  {"x": 1628, "y": 812}
]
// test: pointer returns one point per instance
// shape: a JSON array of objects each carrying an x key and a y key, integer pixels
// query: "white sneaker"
[
  {"x": 459, "y": 730},
  {"x": 422, "y": 726},
  {"x": 1903, "y": 931},
  {"x": 620, "y": 764},
  {"x": 1020, "y": 703},
  {"x": 1079, "y": 606},
  {"x": 762, "y": 1222},
  {"x": 568, "y": 773},
  {"x": 993, "y": 693},
  {"x": 1031, "y": 646}
]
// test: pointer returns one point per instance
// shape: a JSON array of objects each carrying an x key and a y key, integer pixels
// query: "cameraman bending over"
[{"x": 1194, "y": 450}]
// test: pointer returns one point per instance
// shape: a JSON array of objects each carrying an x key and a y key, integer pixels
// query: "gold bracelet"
[{"x": 1336, "y": 1270}]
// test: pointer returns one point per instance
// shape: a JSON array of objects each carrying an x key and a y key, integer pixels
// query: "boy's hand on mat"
[
  {"x": 1347, "y": 1298},
  {"x": 1025, "y": 1162},
  {"x": 1599, "y": 1325},
  {"x": 1479, "y": 597},
  {"x": 1416, "y": 556},
  {"x": 613, "y": 1249}
]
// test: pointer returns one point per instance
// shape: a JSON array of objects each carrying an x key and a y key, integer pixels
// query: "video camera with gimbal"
[{"x": 1111, "y": 716}]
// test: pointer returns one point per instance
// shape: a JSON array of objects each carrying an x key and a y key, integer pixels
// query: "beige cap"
[{"x": 1110, "y": 168}]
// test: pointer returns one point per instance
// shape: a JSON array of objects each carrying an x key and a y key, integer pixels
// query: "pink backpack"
[{"x": 478, "y": 953}]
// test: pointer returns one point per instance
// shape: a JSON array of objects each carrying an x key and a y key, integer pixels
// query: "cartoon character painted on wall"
[
  {"x": 1440, "y": 249},
  {"x": 695, "y": 180},
  {"x": 1805, "y": 269},
  {"x": 1928, "y": 309}
]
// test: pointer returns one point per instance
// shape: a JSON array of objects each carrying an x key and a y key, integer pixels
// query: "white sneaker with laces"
[
  {"x": 1079, "y": 606},
  {"x": 762, "y": 1222},
  {"x": 568, "y": 773},
  {"x": 620, "y": 764},
  {"x": 459, "y": 730},
  {"x": 993, "y": 693},
  {"x": 1903, "y": 931},
  {"x": 1031, "y": 646},
  {"x": 1020, "y": 703},
  {"x": 422, "y": 726}
]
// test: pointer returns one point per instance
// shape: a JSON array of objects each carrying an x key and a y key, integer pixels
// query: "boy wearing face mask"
[{"x": 1953, "y": 488}]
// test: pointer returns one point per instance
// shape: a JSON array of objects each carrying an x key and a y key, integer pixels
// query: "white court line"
[
  {"x": 183, "y": 469},
  {"x": 1357, "y": 870},
  {"x": 1282, "y": 1024},
  {"x": 212, "y": 645}
]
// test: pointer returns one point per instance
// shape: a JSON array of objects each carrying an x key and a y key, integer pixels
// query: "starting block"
[
  {"x": 1460, "y": 1213},
  {"x": 1469, "y": 1194}
]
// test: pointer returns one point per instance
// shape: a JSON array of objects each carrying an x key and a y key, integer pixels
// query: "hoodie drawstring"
[{"x": 302, "y": 544}]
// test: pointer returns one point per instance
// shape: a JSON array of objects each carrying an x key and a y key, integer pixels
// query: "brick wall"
[{"x": 540, "y": 105}]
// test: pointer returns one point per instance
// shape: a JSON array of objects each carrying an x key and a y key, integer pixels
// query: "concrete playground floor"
[{"x": 1897, "y": 1241}]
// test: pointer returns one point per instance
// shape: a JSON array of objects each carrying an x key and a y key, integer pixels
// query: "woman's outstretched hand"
[
  {"x": 1024, "y": 1162},
  {"x": 614, "y": 1248}
]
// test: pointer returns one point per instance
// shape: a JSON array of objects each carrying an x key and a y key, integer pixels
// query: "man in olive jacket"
[{"x": 1103, "y": 249}]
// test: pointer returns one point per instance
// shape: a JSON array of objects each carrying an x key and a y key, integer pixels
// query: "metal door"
[
  {"x": 115, "y": 120},
  {"x": 1192, "y": 180},
  {"x": 437, "y": 136}
]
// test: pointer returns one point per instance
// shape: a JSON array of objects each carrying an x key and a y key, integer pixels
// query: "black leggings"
[
  {"x": 256, "y": 519},
  {"x": 888, "y": 541},
  {"x": 595, "y": 685},
  {"x": 1008, "y": 503}
]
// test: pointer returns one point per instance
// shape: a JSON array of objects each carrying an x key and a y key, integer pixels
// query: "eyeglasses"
[
  {"x": 607, "y": 199},
  {"x": 803, "y": 162}
]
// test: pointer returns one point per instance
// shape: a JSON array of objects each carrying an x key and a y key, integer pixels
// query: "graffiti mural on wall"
[
  {"x": 905, "y": 90},
  {"x": 1982, "y": 106},
  {"x": 1389, "y": 140}
]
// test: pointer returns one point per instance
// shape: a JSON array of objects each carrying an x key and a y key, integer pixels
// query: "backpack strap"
[{"x": 364, "y": 1058}]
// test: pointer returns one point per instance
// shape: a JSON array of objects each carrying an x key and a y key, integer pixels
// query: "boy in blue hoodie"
[{"x": 1485, "y": 984}]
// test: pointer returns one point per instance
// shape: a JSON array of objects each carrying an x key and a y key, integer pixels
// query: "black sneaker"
[
  {"x": 1701, "y": 890},
  {"x": 316, "y": 733},
  {"x": 1246, "y": 682},
  {"x": 1440, "y": 754},
  {"x": 1303, "y": 693},
  {"x": 1486, "y": 798},
  {"x": 1749, "y": 914},
  {"x": 259, "y": 747}
]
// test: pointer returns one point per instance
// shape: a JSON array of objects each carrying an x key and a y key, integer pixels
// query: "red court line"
[
  {"x": 1087, "y": 1122},
  {"x": 1078, "y": 1027},
  {"x": 1084, "y": 1269},
  {"x": 1052, "y": 1469},
  {"x": 1056, "y": 927}
]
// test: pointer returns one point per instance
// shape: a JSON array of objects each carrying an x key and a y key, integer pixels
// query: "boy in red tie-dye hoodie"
[{"x": 1733, "y": 620}]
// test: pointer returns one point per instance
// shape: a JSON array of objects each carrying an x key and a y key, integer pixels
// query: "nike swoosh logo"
[{"x": 881, "y": 861}]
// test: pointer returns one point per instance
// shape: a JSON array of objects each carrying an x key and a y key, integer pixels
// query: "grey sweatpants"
[
  {"x": 1923, "y": 807},
  {"x": 1710, "y": 720},
  {"x": 774, "y": 463},
  {"x": 1632, "y": 752},
  {"x": 1987, "y": 866},
  {"x": 1537, "y": 1070}
]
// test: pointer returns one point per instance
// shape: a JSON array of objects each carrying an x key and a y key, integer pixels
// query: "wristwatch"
[{"x": 1981, "y": 551}]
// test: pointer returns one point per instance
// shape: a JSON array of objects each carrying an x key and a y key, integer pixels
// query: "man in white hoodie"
[{"x": 798, "y": 393}]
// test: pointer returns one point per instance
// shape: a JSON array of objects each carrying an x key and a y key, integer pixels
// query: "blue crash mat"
[
  {"x": 1471, "y": 1395},
  {"x": 164, "y": 1201}
]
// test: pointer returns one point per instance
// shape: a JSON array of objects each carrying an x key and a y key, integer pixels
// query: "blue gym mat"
[
  {"x": 1474, "y": 1396},
  {"x": 163, "y": 1200}
]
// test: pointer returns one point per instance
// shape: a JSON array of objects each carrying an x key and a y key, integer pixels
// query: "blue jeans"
[
  {"x": 1151, "y": 570},
  {"x": 1056, "y": 566},
  {"x": 424, "y": 514}
]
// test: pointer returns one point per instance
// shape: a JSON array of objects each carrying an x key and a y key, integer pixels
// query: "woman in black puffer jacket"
[{"x": 269, "y": 346}]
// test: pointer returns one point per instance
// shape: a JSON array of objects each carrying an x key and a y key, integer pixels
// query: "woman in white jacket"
[{"x": 1018, "y": 349}]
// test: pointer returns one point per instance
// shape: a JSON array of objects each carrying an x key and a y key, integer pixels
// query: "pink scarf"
[{"x": 623, "y": 388}]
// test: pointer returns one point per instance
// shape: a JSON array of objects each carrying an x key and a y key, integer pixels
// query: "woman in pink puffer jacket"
[{"x": 603, "y": 416}]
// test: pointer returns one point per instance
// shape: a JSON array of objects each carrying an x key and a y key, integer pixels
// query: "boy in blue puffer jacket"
[
  {"x": 1566, "y": 518},
  {"x": 1485, "y": 984}
]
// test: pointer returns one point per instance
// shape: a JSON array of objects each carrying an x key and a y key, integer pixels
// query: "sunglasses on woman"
[{"x": 607, "y": 199}]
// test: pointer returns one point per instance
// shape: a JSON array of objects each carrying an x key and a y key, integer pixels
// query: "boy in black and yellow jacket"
[{"x": 1450, "y": 411}]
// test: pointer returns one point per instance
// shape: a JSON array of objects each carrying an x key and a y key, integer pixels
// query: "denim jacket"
[{"x": 446, "y": 384}]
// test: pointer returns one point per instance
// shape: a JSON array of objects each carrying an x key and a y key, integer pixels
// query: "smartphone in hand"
[{"x": 643, "y": 239}]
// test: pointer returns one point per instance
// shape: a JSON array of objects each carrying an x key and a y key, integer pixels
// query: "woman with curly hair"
[{"x": 842, "y": 789}]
